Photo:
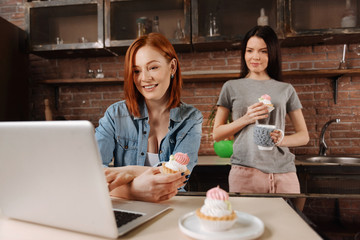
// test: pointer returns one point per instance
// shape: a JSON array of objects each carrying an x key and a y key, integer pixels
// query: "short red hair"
[{"x": 132, "y": 95}]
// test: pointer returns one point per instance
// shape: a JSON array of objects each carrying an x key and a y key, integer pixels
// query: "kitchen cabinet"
[
  {"x": 309, "y": 22},
  {"x": 58, "y": 28},
  {"x": 126, "y": 20},
  {"x": 222, "y": 24},
  {"x": 329, "y": 179},
  {"x": 108, "y": 27},
  {"x": 14, "y": 68}
]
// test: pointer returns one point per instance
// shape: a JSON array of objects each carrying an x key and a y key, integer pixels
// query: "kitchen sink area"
[
  {"x": 330, "y": 160},
  {"x": 333, "y": 174}
]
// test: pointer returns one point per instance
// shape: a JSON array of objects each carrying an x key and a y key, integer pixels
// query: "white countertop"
[{"x": 280, "y": 220}]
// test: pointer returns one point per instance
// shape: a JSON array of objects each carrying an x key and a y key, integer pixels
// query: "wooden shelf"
[
  {"x": 80, "y": 81},
  {"x": 330, "y": 73},
  {"x": 214, "y": 76}
]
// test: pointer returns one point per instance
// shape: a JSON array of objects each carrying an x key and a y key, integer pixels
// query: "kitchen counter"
[
  {"x": 280, "y": 221},
  {"x": 314, "y": 177},
  {"x": 216, "y": 160}
]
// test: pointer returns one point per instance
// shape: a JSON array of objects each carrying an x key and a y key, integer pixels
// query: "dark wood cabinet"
[
  {"x": 219, "y": 24},
  {"x": 65, "y": 27},
  {"x": 59, "y": 28},
  {"x": 14, "y": 67},
  {"x": 126, "y": 20},
  {"x": 313, "y": 22}
]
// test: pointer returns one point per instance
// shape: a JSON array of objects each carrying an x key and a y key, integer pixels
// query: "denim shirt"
[{"x": 125, "y": 137}]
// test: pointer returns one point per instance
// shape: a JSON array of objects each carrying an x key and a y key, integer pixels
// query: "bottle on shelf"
[
  {"x": 141, "y": 30},
  {"x": 349, "y": 18},
  {"x": 155, "y": 25},
  {"x": 48, "y": 112},
  {"x": 263, "y": 20},
  {"x": 213, "y": 26},
  {"x": 179, "y": 32},
  {"x": 99, "y": 73}
]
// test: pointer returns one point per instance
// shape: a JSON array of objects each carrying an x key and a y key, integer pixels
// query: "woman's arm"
[
  {"x": 190, "y": 143},
  {"x": 117, "y": 176},
  {"x": 301, "y": 135},
  {"x": 223, "y": 130},
  {"x": 105, "y": 137},
  {"x": 151, "y": 186}
]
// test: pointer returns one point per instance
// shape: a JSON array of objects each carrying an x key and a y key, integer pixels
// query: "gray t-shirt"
[{"x": 237, "y": 95}]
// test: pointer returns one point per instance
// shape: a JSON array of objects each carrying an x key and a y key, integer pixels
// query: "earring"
[{"x": 172, "y": 76}]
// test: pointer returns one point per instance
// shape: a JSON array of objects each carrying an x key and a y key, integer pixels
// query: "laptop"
[{"x": 51, "y": 173}]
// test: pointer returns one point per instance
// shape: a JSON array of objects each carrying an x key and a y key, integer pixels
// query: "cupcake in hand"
[
  {"x": 216, "y": 214},
  {"x": 176, "y": 163},
  {"x": 266, "y": 99}
]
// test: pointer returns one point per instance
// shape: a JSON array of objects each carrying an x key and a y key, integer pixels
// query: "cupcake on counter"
[
  {"x": 216, "y": 214},
  {"x": 266, "y": 99},
  {"x": 176, "y": 163}
]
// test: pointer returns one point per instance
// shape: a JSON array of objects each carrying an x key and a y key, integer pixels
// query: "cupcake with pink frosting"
[
  {"x": 176, "y": 163},
  {"x": 266, "y": 99},
  {"x": 216, "y": 214}
]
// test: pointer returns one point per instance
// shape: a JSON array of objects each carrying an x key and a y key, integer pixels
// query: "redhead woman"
[{"x": 152, "y": 123}]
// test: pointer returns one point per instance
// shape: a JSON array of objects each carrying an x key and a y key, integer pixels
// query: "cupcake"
[
  {"x": 176, "y": 163},
  {"x": 216, "y": 214},
  {"x": 266, "y": 99}
]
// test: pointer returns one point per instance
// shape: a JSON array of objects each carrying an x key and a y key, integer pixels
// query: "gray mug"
[{"x": 262, "y": 136}]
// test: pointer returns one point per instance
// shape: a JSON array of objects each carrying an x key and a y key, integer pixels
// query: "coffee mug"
[{"x": 262, "y": 136}]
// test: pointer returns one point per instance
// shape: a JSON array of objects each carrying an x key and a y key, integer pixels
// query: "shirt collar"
[{"x": 175, "y": 113}]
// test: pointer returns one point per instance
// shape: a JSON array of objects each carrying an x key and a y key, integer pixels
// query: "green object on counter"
[{"x": 224, "y": 148}]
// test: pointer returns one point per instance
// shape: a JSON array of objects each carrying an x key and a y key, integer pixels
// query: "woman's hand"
[
  {"x": 255, "y": 112},
  {"x": 151, "y": 186},
  {"x": 277, "y": 137},
  {"x": 117, "y": 176}
]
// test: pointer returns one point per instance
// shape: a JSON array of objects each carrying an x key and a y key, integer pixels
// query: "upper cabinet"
[
  {"x": 58, "y": 28},
  {"x": 219, "y": 24},
  {"x": 309, "y": 22},
  {"x": 107, "y": 27},
  {"x": 126, "y": 20}
]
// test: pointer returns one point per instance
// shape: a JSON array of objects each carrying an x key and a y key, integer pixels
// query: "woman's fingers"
[
  {"x": 120, "y": 179},
  {"x": 276, "y": 136}
]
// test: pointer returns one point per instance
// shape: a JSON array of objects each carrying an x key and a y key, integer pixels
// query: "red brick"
[
  {"x": 209, "y": 62},
  {"x": 327, "y": 48},
  {"x": 326, "y": 64},
  {"x": 296, "y": 50},
  {"x": 112, "y": 95},
  {"x": 305, "y": 65},
  {"x": 233, "y": 67}
]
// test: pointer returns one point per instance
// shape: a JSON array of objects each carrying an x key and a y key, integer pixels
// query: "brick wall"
[
  {"x": 13, "y": 11},
  {"x": 89, "y": 102},
  {"x": 316, "y": 94}
]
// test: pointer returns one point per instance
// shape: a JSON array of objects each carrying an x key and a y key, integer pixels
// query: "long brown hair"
[{"x": 132, "y": 95}]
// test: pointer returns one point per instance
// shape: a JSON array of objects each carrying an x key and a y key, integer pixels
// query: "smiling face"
[
  {"x": 256, "y": 58},
  {"x": 152, "y": 72}
]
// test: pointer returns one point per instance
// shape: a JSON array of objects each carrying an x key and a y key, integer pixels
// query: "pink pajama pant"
[{"x": 251, "y": 180}]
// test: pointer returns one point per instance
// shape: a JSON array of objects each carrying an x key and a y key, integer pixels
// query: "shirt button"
[
  {"x": 126, "y": 147},
  {"x": 142, "y": 154}
]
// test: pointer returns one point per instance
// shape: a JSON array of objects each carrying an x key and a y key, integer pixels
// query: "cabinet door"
[
  {"x": 322, "y": 21},
  {"x": 124, "y": 19},
  {"x": 219, "y": 24},
  {"x": 64, "y": 26}
]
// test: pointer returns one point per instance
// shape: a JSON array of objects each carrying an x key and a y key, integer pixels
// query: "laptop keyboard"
[{"x": 125, "y": 217}]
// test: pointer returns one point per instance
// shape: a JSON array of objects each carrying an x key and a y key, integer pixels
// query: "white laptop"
[{"x": 51, "y": 173}]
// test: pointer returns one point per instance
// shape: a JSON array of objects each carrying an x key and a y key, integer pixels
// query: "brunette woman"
[{"x": 254, "y": 170}]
